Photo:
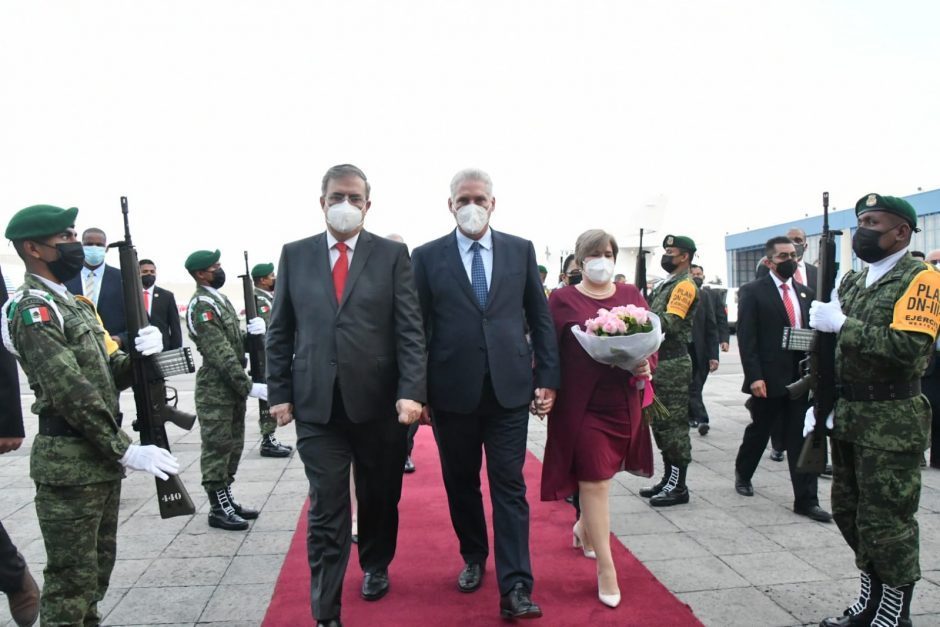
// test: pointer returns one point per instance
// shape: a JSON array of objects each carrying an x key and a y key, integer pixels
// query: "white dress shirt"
[
  {"x": 99, "y": 278},
  {"x": 880, "y": 268},
  {"x": 58, "y": 288},
  {"x": 794, "y": 300},
  {"x": 486, "y": 252},
  {"x": 334, "y": 253}
]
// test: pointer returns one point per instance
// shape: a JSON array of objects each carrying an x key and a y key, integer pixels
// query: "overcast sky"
[{"x": 218, "y": 119}]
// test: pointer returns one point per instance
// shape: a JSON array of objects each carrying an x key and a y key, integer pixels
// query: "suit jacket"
[
  {"x": 110, "y": 300},
  {"x": 721, "y": 314},
  {"x": 465, "y": 342},
  {"x": 11, "y": 411},
  {"x": 761, "y": 319},
  {"x": 704, "y": 345},
  {"x": 165, "y": 315},
  {"x": 371, "y": 344}
]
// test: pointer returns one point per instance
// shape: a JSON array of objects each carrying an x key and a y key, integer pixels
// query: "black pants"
[
  {"x": 12, "y": 566},
  {"x": 462, "y": 439},
  {"x": 764, "y": 413},
  {"x": 412, "y": 430},
  {"x": 378, "y": 449},
  {"x": 700, "y": 372}
]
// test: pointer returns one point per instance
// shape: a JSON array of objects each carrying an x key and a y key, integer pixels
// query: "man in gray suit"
[{"x": 346, "y": 358}]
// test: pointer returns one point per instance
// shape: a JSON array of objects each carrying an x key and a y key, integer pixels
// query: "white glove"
[
  {"x": 256, "y": 326},
  {"x": 149, "y": 341},
  {"x": 259, "y": 390},
  {"x": 827, "y": 317},
  {"x": 809, "y": 421},
  {"x": 152, "y": 459}
]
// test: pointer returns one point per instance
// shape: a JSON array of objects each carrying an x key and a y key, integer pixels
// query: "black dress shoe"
[
  {"x": 333, "y": 622},
  {"x": 703, "y": 428},
  {"x": 270, "y": 447},
  {"x": 517, "y": 603},
  {"x": 743, "y": 487},
  {"x": 375, "y": 585},
  {"x": 470, "y": 577},
  {"x": 815, "y": 512},
  {"x": 775, "y": 455},
  {"x": 409, "y": 465},
  {"x": 667, "y": 498}
]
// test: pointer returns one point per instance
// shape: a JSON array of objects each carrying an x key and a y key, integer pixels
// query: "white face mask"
[
  {"x": 344, "y": 217},
  {"x": 599, "y": 269},
  {"x": 472, "y": 218}
]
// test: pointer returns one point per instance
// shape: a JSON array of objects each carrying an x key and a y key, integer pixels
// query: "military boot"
[
  {"x": 245, "y": 512},
  {"x": 653, "y": 490},
  {"x": 221, "y": 513},
  {"x": 860, "y": 613},
  {"x": 674, "y": 492},
  {"x": 270, "y": 447},
  {"x": 894, "y": 610}
]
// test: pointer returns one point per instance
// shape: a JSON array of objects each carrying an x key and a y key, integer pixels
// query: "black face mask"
[
  {"x": 786, "y": 269},
  {"x": 574, "y": 279},
  {"x": 148, "y": 280},
  {"x": 865, "y": 244},
  {"x": 271, "y": 289},
  {"x": 800, "y": 248},
  {"x": 70, "y": 261},
  {"x": 668, "y": 263},
  {"x": 698, "y": 280},
  {"x": 218, "y": 279}
]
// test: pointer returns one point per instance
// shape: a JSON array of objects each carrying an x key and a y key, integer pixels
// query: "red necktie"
[
  {"x": 340, "y": 270},
  {"x": 147, "y": 301},
  {"x": 799, "y": 276},
  {"x": 787, "y": 304}
]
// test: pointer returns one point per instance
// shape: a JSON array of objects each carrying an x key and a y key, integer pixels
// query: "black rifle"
[
  {"x": 150, "y": 391},
  {"x": 639, "y": 277},
  {"x": 256, "y": 363},
  {"x": 820, "y": 365}
]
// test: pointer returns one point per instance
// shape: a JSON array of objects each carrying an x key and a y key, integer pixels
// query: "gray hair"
[
  {"x": 593, "y": 241},
  {"x": 342, "y": 171},
  {"x": 470, "y": 174}
]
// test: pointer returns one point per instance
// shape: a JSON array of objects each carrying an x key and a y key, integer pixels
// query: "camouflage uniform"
[
  {"x": 222, "y": 385},
  {"x": 877, "y": 445},
  {"x": 264, "y": 300},
  {"x": 74, "y": 370},
  {"x": 674, "y": 370}
]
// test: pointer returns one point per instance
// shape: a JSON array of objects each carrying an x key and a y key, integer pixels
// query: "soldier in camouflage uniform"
[
  {"x": 263, "y": 277},
  {"x": 222, "y": 387},
  {"x": 886, "y": 317},
  {"x": 674, "y": 301},
  {"x": 79, "y": 456}
]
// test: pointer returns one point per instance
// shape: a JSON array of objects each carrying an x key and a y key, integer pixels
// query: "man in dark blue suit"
[
  {"x": 101, "y": 284},
  {"x": 480, "y": 292}
]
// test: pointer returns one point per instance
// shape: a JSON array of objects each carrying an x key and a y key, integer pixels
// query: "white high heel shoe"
[
  {"x": 578, "y": 542},
  {"x": 610, "y": 600}
]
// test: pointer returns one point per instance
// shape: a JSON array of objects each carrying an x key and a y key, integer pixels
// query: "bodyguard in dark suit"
[
  {"x": 101, "y": 284},
  {"x": 15, "y": 579},
  {"x": 161, "y": 306},
  {"x": 765, "y": 307},
  {"x": 346, "y": 359},
  {"x": 703, "y": 350},
  {"x": 480, "y": 290}
]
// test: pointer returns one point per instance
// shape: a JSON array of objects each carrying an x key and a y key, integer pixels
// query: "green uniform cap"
[
  {"x": 891, "y": 204},
  {"x": 679, "y": 241},
  {"x": 202, "y": 259},
  {"x": 40, "y": 221},
  {"x": 262, "y": 269},
  {"x": 543, "y": 269}
]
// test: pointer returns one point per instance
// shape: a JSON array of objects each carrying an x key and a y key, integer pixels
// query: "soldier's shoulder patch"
[
  {"x": 38, "y": 314},
  {"x": 264, "y": 309},
  {"x": 205, "y": 316},
  {"x": 681, "y": 299},
  {"x": 918, "y": 309}
]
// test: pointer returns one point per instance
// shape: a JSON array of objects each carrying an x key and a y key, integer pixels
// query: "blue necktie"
[{"x": 478, "y": 275}]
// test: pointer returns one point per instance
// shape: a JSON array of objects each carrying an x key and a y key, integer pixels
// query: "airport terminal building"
[{"x": 744, "y": 250}]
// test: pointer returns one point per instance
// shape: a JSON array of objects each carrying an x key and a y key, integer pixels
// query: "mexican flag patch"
[
  {"x": 264, "y": 309},
  {"x": 206, "y": 316},
  {"x": 36, "y": 314}
]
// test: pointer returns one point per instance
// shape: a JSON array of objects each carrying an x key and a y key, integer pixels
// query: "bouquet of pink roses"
[{"x": 623, "y": 336}]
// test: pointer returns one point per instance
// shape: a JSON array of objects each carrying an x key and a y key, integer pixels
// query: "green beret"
[
  {"x": 890, "y": 204},
  {"x": 202, "y": 259},
  {"x": 679, "y": 241},
  {"x": 543, "y": 269},
  {"x": 40, "y": 221},
  {"x": 262, "y": 269}
]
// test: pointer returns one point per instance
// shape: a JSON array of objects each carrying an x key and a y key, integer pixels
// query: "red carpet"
[{"x": 424, "y": 573}]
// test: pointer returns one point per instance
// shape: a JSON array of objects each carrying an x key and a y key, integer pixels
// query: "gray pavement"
[{"x": 734, "y": 560}]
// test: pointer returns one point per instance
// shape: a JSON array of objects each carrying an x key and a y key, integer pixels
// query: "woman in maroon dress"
[{"x": 595, "y": 428}]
